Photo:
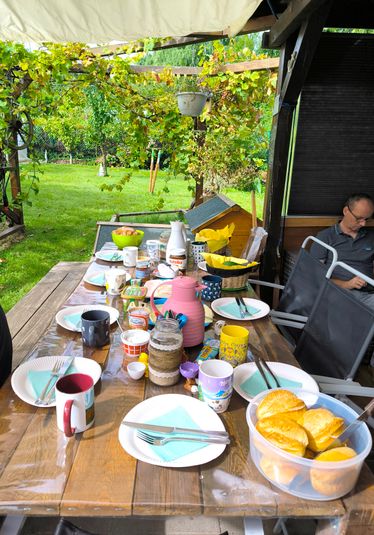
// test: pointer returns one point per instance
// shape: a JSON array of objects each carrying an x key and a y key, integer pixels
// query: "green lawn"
[{"x": 61, "y": 223}]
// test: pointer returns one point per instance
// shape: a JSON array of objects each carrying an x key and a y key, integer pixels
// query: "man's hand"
[{"x": 356, "y": 283}]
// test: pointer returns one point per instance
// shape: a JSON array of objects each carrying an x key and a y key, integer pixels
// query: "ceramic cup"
[
  {"x": 95, "y": 328},
  {"x": 233, "y": 344},
  {"x": 115, "y": 280},
  {"x": 215, "y": 384},
  {"x": 198, "y": 247},
  {"x": 130, "y": 256},
  {"x": 213, "y": 287},
  {"x": 75, "y": 403}
]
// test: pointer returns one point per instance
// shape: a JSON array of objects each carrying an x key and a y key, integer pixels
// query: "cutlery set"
[
  {"x": 244, "y": 310},
  {"x": 59, "y": 369}
]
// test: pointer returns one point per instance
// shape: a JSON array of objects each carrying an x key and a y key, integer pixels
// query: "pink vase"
[{"x": 184, "y": 300}]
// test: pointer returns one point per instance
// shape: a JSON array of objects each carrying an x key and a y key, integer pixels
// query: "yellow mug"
[{"x": 233, "y": 344}]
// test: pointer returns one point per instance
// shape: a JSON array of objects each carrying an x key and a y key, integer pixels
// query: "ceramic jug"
[
  {"x": 184, "y": 300},
  {"x": 178, "y": 238}
]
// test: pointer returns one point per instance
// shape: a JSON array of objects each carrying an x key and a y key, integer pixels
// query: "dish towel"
[
  {"x": 255, "y": 383},
  {"x": 74, "y": 321},
  {"x": 39, "y": 378},
  {"x": 233, "y": 309},
  {"x": 178, "y": 417}
]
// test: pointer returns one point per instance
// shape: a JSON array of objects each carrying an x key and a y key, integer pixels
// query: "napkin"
[
  {"x": 178, "y": 417},
  {"x": 74, "y": 320},
  {"x": 98, "y": 279},
  {"x": 233, "y": 309},
  {"x": 39, "y": 378},
  {"x": 111, "y": 255},
  {"x": 255, "y": 383}
]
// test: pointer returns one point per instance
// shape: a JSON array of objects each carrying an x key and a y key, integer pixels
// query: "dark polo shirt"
[{"x": 357, "y": 253}]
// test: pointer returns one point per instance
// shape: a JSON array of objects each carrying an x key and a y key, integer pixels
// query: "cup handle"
[{"x": 68, "y": 430}]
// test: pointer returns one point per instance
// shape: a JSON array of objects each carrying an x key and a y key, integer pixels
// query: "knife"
[
  {"x": 242, "y": 312},
  {"x": 340, "y": 439},
  {"x": 169, "y": 430},
  {"x": 48, "y": 395}
]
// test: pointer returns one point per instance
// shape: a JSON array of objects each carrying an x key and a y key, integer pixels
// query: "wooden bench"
[{"x": 30, "y": 317}]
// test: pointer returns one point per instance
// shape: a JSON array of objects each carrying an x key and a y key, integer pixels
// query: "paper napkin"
[
  {"x": 233, "y": 309},
  {"x": 39, "y": 378},
  {"x": 255, "y": 383},
  {"x": 73, "y": 321},
  {"x": 178, "y": 417},
  {"x": 98, "y": 279}
]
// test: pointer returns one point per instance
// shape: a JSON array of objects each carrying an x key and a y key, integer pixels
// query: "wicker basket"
[{"x": 232, "y": 279}]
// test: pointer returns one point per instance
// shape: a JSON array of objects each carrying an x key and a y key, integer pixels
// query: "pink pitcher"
[{"x": 184, "y": 300}]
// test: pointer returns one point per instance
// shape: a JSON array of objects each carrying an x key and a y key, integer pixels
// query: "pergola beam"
[{"x": 291, "y": 19}]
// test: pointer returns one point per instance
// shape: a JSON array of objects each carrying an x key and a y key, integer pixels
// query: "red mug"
[{"x": 75, "y": 403}]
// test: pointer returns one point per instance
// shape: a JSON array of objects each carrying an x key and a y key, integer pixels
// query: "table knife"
[
  {"x": 242, "y": 312},
  {"x": 170, "y": 429},
  {"x": 64, "y": 368}
]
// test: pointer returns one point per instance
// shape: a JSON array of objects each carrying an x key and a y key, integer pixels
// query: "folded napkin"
[
  {"x": 255, "y": 383},
  {"x": 98, "y": 279},
  {"x": 112, "y": 256},
  {"x": 233, "y": 309},
  {"x": 178, "y": 417},
  {"x": 39, "y": 378},
  {"x": 74, "y": 320}
]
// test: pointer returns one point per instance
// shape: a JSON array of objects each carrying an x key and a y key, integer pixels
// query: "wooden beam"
[
  {"x": 255, "y": 25},
  {"x": 255, "y": 65},
  {"x": 291, "y": 19}
]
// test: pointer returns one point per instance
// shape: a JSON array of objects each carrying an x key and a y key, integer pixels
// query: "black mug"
[{"x": 95, "y": 328}]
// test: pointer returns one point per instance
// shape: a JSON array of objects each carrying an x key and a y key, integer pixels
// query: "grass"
[{"x": 61, "y": 223}]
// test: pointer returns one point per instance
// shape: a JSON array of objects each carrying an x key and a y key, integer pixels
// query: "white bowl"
[{"x": 136, "y": 370}]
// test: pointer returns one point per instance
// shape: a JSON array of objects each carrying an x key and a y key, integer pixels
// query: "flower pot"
[{"x": 191, "y": 103}]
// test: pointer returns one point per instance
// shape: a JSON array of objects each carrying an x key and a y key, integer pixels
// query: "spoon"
[{"x": 366, "y": 413}]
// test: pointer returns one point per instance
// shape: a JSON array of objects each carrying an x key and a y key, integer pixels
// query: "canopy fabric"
[{"x": 98, "y": 21}]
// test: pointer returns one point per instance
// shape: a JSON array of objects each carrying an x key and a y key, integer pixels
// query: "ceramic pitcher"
[
  {"x": 184, "y": 300},
  {"x": 178, "y": 238}
]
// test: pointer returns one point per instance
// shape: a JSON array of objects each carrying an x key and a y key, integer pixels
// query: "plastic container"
[
  {"x": 305, "y": 478},
  {"x": 135, "y": 342}
]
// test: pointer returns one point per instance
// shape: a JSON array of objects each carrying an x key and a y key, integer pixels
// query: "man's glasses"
[{"x": 359, "y": 219}]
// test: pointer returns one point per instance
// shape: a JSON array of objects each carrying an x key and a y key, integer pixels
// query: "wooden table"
[{"x": 44, "y": 473}]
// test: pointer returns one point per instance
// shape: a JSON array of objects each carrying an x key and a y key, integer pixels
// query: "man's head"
[{"x": 358, "y": 209}]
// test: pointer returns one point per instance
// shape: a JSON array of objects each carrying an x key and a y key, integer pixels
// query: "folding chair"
[{"x": 335, "y": 337}]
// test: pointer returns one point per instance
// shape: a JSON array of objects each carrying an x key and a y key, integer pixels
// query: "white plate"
[
  {"x": 113, "y": 312},
  {"x": 108, "y": 254},
  {"x": 202, "y": 265},
  {"x": 23, "y": 388},
  {"x": 89, "y": 276},
  {"x": 263, "y": 308},
  {"x": 199, "y": 411},
  {"x": 285, "y": 371}
]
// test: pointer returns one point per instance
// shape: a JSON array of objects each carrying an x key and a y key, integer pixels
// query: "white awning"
[{"x": 103, "y": 21}]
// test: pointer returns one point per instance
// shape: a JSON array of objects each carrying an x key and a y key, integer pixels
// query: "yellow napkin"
[
  {"x": 227, "y": 262},
  {"x": 216, "y": 239}
]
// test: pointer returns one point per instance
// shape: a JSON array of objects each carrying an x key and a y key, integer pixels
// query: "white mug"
[
  {"x": 115, "y": 280},
  {"x": 130, "y": 256},
  {"x": 75, "y": 403}
]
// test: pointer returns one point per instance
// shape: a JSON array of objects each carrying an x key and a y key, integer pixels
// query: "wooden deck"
[{"x": 30, "y": 317}]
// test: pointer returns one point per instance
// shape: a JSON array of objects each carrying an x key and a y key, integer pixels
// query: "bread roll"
[
  {"x": 278, "y": 471},
  {"x": 283, "y": 403},
  {"x": 321, "y": 426},
  {"x": 284, "y": 433},
  {"x": 330, "y": 482}
]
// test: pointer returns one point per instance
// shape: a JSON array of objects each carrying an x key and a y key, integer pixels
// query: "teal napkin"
[
  {"x": 98, "y": 279},
  {"x": 255, "y": 383},
  {"x": 74, "y": 320},
  {"x": 39, "y": 378},
  {"x": 178, "y": 417},
  {"x": 233, "y": 309},
  {"x": 112, "y": 256}
]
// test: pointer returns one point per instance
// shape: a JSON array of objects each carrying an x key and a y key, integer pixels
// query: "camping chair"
[
  {"x": 6, "y": 349},
  {"x": 335, "y": 337},
  {"x": 152, "y": 231},
  {"x": 300, "y": 292}
]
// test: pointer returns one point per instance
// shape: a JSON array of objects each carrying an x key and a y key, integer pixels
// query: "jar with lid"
[
  {"x": 178, "y": 259},
  {"x": 165, "y": 352}
]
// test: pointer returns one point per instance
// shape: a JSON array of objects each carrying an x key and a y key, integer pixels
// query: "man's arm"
[{"x": 356, "y": 283}]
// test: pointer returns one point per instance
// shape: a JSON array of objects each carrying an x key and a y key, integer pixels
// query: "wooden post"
[
  {"x": 155, "y": 172},
  {"x": 151, "y": 171},
  {"x": 15, "y": 181},
  {"x": 254, "y": 209},
  {"x": 200, "y": 129}
]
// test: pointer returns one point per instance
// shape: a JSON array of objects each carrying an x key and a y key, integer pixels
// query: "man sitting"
[{"x": 354, "y": 244}]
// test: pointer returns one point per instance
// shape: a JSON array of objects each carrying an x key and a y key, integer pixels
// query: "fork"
[
  {"x": 156, "y": 440},
  {"x": 54, "y": 373},
  {"x": 238, "y": 302},
  {"x": 245, "y": 306}
]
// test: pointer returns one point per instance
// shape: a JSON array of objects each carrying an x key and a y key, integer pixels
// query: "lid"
[{"x": 178, "y": 252}]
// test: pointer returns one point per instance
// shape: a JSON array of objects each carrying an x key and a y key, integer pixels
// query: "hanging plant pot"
[{"x": 191, "y": 103}]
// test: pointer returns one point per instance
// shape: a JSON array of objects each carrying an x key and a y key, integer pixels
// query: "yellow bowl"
[{"x": 125, "y": 241}]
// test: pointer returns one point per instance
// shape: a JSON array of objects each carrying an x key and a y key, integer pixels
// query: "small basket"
[{"x": 232, "y": 279}]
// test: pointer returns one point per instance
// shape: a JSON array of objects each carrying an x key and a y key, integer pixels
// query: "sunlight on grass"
[{"x": 61, "y": 223}]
